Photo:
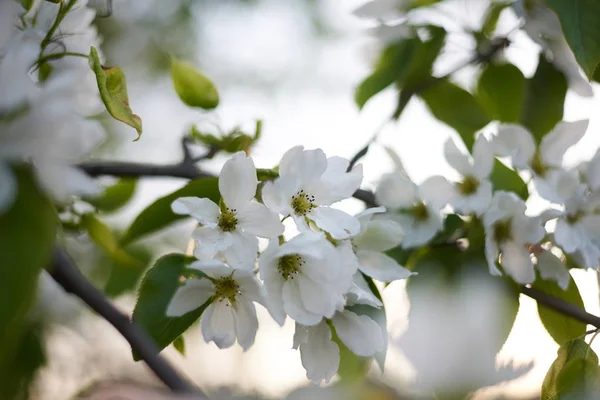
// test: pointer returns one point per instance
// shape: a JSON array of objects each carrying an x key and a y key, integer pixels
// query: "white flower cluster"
[
  {"x": 512, "y": 236},
  {"x": 48, "y": 94},
  {"x": 316, "y": 277}
]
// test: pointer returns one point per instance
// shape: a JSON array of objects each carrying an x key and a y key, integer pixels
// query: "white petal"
[
  {"x": 8, "y": 187},
  {"x": 256, "y": 219},
  {"x": 557, "y": 185},
  {"x": 250, "y": 287},
  {"x": 417, "y": 233},
  {"x": 551, "y": 267},
  {"x": 565, "y": 61},
  {"x": 336, "y": 184},
  {"x": 567, "y": 236},
  {"x": 190, "y": 296},
  {"x": 515, "y": 142},
  {"x": 308, "y": 165},
  {"x": 491, "y": 253},
  {"x": 243, "y": 251},
  {"x": 339, "y": 224},
  {"x": 316, "y": 297},
  {"x": 360, "y": 333},
  {"x": 246, "y": 323},
  {"x": 527, "y": 229},
  {"x": 210, "y": 241},
  {"x": 237, "y": 181},
  {"x": 476, "y": 203},
  {"x": 62, "y": 181},
  {"x": 560, "y": 139},
  {"x": 310, "y": 244},
  {"x": 436, "y": 191},
  {"x": 293, "y": 306},
  {"x": 483, "y": 157},
  {"x": 203, "y": 210},
  {"x": 300, "y": 335},
  {"x": 379, "y": 9},
  {"x": 218, "y": 324},
  {"x": 457, "y": 159},
  {"x": 503, "y": 205},
  {"x": 213, "y": 268},
  {"x": 320, "y": 356},
  {"x": 381, "y": 267},
  {"x": 267, "y": 265},
  {"x": 396, "y": 191},
  {"x": 379, "y": 235},
  {"x": 367, "y": 214},
  {"x": 360, "y": 293},
  {"x": 516, "y": 262}
]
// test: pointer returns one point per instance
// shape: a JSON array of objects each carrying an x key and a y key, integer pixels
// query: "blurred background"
[{"x": 295, "y": 65}]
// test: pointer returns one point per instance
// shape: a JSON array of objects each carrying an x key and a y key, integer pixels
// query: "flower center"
[
  {"x": 302, "y": 203},
  {"x": 574, "y": 218},
  {"x": 502, "y": 231},
  {"x": 289, "y": 265},
  {"x": 228, "y": 220},
  {"x": 419, "y": 212},
  {"x": 537, "y": 165},
  {"x": 469, "y": 185},
  {"x": 227, "y": 289}
]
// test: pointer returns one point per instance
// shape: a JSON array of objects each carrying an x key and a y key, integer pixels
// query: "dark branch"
[
  {"x": 66, "y": 274},
  {"x": 561, "y": 306}
]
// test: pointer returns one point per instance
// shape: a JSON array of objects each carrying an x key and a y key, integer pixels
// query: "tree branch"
[
  {"x": 561, "y": 306},
  {"x": 66, "y": 274}
]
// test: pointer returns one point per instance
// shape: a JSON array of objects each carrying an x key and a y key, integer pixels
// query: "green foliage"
[
  {"x": 453, "y": 224},
  {"x": 234, "y": 141},
  {"x": 501, "y": 91},
  {"x": 544, "y": 99},
  {"x": 193, "y": 87},
  {"x": 114, "y": 196},
  {"x": 122, "y": 277},
  {"x": 574, "y": 374},
  {"x": 561, "y": 327},
  {"x": 179, "y": 345},
  {"x": 457, "y": 108},
  {"x": 27, "y": 237},
  {"x": 580, "y": 21},
  {"x": 156, "y": 291},
  {"x": 113, "y": 91},
  {"x": 504, "y": 178},
  {"x": 158, "y": 215},
  {"x": 102, "y": 235},
  {"x": 491, "y": 18}
]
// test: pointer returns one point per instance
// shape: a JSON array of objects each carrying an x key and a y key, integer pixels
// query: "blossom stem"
[{"x": 65, "y": 273}]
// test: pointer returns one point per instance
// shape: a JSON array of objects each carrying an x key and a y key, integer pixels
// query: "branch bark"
[{"x": 66, "y": 274}]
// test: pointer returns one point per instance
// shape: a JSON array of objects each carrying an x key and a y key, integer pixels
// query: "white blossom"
[
  {"x": 320, "y": 355},
  {"x": 304, "y": 278},
  {"x": 233, "y": 229},
  {"x": 552, "y": 268},
  {"x": 508, "y": 233},
  {"x": 308, "y": 184},
  {"x": 231, "y": 314},
  {"x": 551, "y": 179},
  {"x": 473, "y": 193}
]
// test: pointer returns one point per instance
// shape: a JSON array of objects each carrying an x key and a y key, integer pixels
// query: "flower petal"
[
  {"x": 360, "y": 293},
  {"x": 476, "y": 203},
  {"x": 516, "y": 262},
  {"x": 527, "y": 230},
  {"x": 491, "y": 254},
  {"x": 210, "y": 241},
  {"x": 256, "y": 219},
  {"x": 308, "y": 165},
  {"x": 293, "y": 306},
  {"x": 250, "y": 287},
  {"x": 218, "y": 324},
  {"x": 515, "y": 142},
  {"x": 243, "y": 251},
  {"x": 379, "y": 235},
  {"x": 246, "y": 323},
  {"x": 320, "y": 356},
  {"x": 396, "y": 191},
  {"x": 190, "y": 296},
  {"x": 436, "y": 191},
  {"x": 338, "y": 223},
  {"x": 483, "y": 157},
  {"x": 457, "y": 159},
  {"x": 557, "y": 185},
  {"x": 359, "y": 333},
  {"x": 551, "y": 267},
  {"x": 316, "y": 297},
  {"x": 213, "y": 268},
  {"x": 381, "y": 267},
  {"x": 237, "y": 181},
  {"x": 336, "y": 184},
  {"x": 567, "y": 236},
  {"x": 560, "y": 139},
  {"x": 203, "y": 210}
]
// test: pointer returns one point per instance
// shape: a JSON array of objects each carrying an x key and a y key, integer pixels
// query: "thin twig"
[{"x": 66, "y": 274}]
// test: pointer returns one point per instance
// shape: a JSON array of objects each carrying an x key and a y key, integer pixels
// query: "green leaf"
[
  {"x": 102, "y": 235},
  {"x": 113, "y": 91},
  {"x": 561, "y": 327},
  {"x": 544, "y": 99},
  {"x": 193, "y": 87},
  {"x": 122, "y": 277},
  {"x": 179, "y": 345},
  {"x": 156, "y": 291},
  {"x": 457, "y": 108},
  {"x": 504, "y": 178},
  {"x": 452, "y": 224},
  {"x": 27, "y": 237},
  {"x": 501, "y": 91},
  {"x": 158, "y": 215},
  {"x": 491, "y": 17},
  {"x": 580, "y": 21},
  {"x": 574, "y": 374},
  {"x": 114, "y": 196}
]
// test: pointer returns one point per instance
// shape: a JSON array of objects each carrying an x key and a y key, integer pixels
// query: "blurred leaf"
[
  {"x": 193, "y": 87},
  {"x": 501, "y": 91},
  {"x": 27, "y": 237},
  {"x": 102, "y": 235},
  {"x": 158, "y": 215},
  {"x": 561, "y": 327},
  {"x": 179, "y": 345},
  {"x": 452, "y": 224},
  {"x": 491, "y": 17},
  {"x": 114, "y": 196},
  {"x": 457, "y": 108},
  {"x": 504, "y": 178},
  {"x": 156, "y": 291},
  {"x": 574, "y": 374},
  {"x": 122, "y": 278},
  {"x": 544, "y": 99},
  {"x": 580, "y": 21},
  {"x": 113, "y": 91}
]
